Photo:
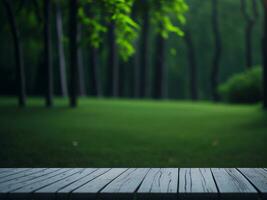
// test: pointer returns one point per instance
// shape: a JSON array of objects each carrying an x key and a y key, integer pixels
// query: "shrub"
[{"x": 245, "y": 87}]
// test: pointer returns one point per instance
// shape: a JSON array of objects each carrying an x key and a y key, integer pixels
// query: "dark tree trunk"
[
  {"x": 113, "y": 67},
  {"x": 122, "y": 79},
  {"x": 94, "y": 68},
  {"x": 40, "y": 79},
  {"x": 94, "y": 73},
  {"x": 250, "y": 23},
  {"x": 160, "y": 71},
  {"x": 73, "y": 29},
  {"x": 60, "y": 46},
  {"x": 38, "y": 14},
  {"x": 130, "y": 78},
  {"x": 48, "y": 53},
  {"x": 264, "y": 56},
  {"x": 136, "y": 74},
  {"x": 135, "y": 64},
  {"x": 144, "y": 56},
  {"x": 192, "y": 65},
  {"x": 217, "y": 51},
  {"x": 20, "y": 76},
  {"x": 81, "y": 81}
]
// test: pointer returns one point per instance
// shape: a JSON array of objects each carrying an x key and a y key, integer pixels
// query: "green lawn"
[{"x": 129, "y": 133}]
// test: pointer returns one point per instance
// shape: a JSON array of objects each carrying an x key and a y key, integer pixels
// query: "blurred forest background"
[
  {"x": 197, "y": 46},
  {"x": 111, "y": 59}
]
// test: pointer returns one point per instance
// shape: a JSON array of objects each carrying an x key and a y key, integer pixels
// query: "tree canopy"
[{"x": 96, "y": 15}]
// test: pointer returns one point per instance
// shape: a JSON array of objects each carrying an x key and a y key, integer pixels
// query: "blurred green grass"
[{"x": 132, "y": 133}]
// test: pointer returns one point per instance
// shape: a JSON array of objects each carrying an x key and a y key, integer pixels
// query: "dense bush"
[{"x": 245, "y": 87}]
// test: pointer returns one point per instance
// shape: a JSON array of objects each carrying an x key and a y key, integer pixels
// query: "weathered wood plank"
[
  {"x": 13, "y": 191},
  {"x": 160, "y": 183},
  {"x": 51, "y": 190},
  {"x": 196, "y": 183},
  {"x": 126, "y": 184},
  {"x": 28, "y": 190},
  {"x": 2, "y": 170},
  {"x": 233, "y": 185},
  {"x": 258, "y": 177},
  {"x": 90, "y": 189},
  {"x": 21, "y": 174},
  {"x": 20, "y": 182},
  {"x": 142, "y": 183},
  {"x": 66, "y": 191},
  {"x": 12, "y": 172}
]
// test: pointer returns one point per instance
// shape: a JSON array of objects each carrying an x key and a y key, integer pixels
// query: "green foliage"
[
  {"x": 119, "y": 12},
  {"x": 163, "y": 14},
  {"x": 94, "y": 28},
  {"x": 110, "y": 11},
  {"x": 126, "y": 28},
  {"x": 245, "y": 87}
]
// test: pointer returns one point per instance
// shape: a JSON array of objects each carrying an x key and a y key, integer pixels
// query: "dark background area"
[{"x": 232, "y": 28}]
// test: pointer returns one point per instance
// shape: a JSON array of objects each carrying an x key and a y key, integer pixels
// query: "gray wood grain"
[
  {"x": 12, "y": 172},
  {"x": 91, "y": 188},
  {"x": 196, "y": 183},
  {"x": 51, "y": 190},
  {"x": 160, "y": 183},
  {"x": 232, "y": 184},
  {"x": 126, "y": 184},
  {"x": 63, "y": 193},
  {"x": 28, "y": 190},
  {"x": 54, "y": 172},
  {"x": 20, "y": 175},
  {"x": 142, "y": 183},
  {"x": 2, "y": 170},
  {"x": 258, "y": 177},
  {"x": 20, "y": 182}
]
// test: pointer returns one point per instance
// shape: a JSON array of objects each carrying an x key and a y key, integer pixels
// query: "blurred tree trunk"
[
  {"x": 130, "y": 78},
  {"x": 135, "y": 62},
  {"x": 160, "y": 69},
  {"x": 192, "y": 64},
  {"x": 113, "y": 66},
  {"x": 48, "y": 53},
  {"x": 60, "y": 46},
  {"x": 136, "y": 74},
  {"x": 40, "y": 79},
  {"x": 73, "y": 29},
  {"x": 122, "y": 78},
  {"x": 144, "y": 54},
  {"x": 20, "y": 74},
  {"x": 94, "y": 68},
  {"x": 81, "y": 81},
  {"x": 250, "y": 23},
  {"x": 217, "y": 51},
  {"x": 94, "y": 72},
  {"x": 264, "y": 56}
]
